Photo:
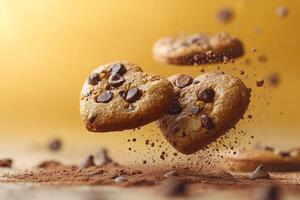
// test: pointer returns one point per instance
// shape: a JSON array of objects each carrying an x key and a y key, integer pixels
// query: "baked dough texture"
[
  {"x": 193, "y": 49},
  {"x": 119, "y": 96},
  {"x": 203, "y": 110}
]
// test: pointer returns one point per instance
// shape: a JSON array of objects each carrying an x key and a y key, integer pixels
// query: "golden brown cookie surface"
[
  {"x": 272, "y": 159},
  {"x": 204, "y": 109},
  {"x": 197, "y": 49},
  {"x": 119, "y": 96}
]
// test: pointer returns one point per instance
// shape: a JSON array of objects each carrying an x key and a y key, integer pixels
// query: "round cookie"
[
  {"x": 197, "y": 49},
  {"x": 272, "y": 159},
  {"x": 119, "y": 96},
  {"x": 203, "y": 109}
]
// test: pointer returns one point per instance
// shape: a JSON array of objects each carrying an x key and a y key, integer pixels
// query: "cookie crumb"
[
  {"x": 259, "y": 173},
  {"x": 102, "y": 157},
  {"x": 225, "y": 15},
  {"x": 260, "y": 83},
  {"x": 55, "y": 145},
  {"x": 282, "y": 11},
  {"x": 273, "y": 79},
  {"x": 87, "y": 162}
]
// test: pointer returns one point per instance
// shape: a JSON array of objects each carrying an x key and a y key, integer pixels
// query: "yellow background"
[{"x": 48, "y": 47}]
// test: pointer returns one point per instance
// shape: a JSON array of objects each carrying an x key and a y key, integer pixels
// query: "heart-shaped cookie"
[
  {"x": 119, "y": 96},
  {"x": 204, "y": 109}
]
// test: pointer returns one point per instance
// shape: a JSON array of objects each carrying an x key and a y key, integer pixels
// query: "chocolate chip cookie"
[
  {"x": 197, "y": 49},
  {"x": 203, "y": 109},
  {"x": 272, "y": 159},
  {"x": 119, "y": 96}
]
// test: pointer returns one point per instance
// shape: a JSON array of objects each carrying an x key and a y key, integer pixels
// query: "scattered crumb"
[
  {"x": 282, "y": 11},
  {"x": 224, "y": 15}
]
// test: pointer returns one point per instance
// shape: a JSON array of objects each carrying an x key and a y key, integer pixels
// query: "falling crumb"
[
  {"x": 253, "y": 50},
  {"x": 262, "y": 58},
  {"x": 224, "y": 15},
  {"x": 273, "y": 79},
  {"x": 55, "y": 145},
  {"x": 282, "y": 11},
  {"x": 260, "y": 83}
]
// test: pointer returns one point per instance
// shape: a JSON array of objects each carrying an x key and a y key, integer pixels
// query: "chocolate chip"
[
  {"x": 102, "y": 157},
  {"x": 117, "y": 68},
  {"x": 224, "y": 15},
  {"x": 133, "y": 94},
  {"x": 207, "y": 122},
  {"x": 194, "y": 110},
  {"x": 55, "y": 145},
  {"x": 183, "y": 81},
  {"x": 87, "y": 162},
  {"x": 259, "y": 173},
  {"x": 175, "y": 108},
  {"x": 206, "y": 95},
  {"x": 260, "y": 83},
  {"x": 94, "y": 78},
  {"x": 123, "y": 94},
  {"x": 115, "y": 80},
  {"x": 105, "y": 97}
]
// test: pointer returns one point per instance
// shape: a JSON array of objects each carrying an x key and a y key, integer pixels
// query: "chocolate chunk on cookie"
[
  {"x": 204, "y": 111},
  {"x": 119, "y": 96},
  {"x": 197, "y": 49}
]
